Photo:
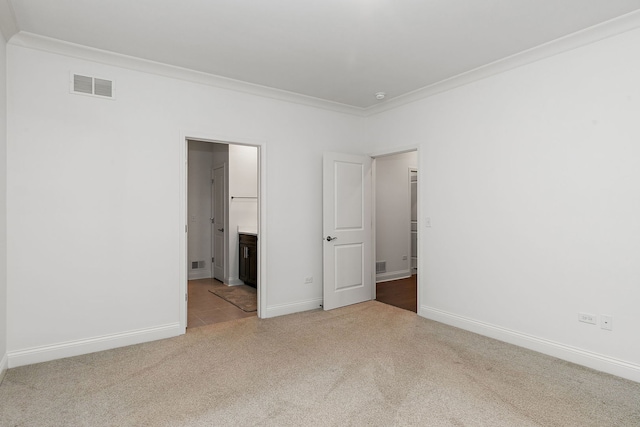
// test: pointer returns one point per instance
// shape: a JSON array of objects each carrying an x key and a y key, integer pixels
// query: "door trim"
[
  {"x": 225, "y": 222},
  {"x": 411, "y": 171},
  {"x": 261, "y": 145}
]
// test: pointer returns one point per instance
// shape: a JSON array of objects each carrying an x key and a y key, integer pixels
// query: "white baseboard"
[
  {"x": 392, "y": 275},
  {"x": 296, "y": 307},
  {"x": 234, "y": 281},
  {"x": 75, "y": 348},
  {"x": 199, "y": 274},
  {"x": 4, "y": 365},
  {"x": 586, "y": 358}
]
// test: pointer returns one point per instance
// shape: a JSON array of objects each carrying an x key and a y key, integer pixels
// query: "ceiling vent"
[{"x": 93, "y": 86}]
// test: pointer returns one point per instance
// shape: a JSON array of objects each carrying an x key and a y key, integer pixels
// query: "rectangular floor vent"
[
  {"x": 197, "y": 264},
  {"x": 87, "y": 85},
  {"x": 381, "y": 267}
]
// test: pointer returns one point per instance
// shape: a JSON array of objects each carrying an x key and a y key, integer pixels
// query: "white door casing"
[
  {"x": 219, "y": 213},
  {"x": 347, "y": 230}
]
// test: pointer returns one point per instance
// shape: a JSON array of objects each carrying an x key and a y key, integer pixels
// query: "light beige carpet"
[{"x": 365, "y": 365}]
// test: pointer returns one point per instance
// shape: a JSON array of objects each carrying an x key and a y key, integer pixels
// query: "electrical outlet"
[
  {"x": 308, "y": 279},
  {"x": 606, "y": 322},
  {"x": 587, "y": 318}
]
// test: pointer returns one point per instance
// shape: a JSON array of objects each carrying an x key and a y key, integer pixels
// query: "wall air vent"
[
  {"x": 93, "y": 86},
  {"x": 197, "y": 264},
  {"x": 381, "y": 267}
]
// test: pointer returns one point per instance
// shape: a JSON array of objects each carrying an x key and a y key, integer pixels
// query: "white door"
[
  {"x": 219, "y": 212},
  {"x": 347, "y": 230}
]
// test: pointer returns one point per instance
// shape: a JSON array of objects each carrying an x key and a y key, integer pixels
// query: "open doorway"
[
  {"x": 396, "y": 225},
  {"x": 222, "y": 220}
]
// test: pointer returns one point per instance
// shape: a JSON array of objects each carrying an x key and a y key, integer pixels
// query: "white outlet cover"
[{"x": 606, "y": 322}]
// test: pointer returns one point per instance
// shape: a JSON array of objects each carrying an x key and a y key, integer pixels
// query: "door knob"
[
  {"x": 221, "y": 229},
  {"x": 329, "y": 238}
]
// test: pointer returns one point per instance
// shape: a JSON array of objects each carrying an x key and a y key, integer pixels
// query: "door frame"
[
  {"x": 225, "y": 219},
  {"x": 391, "y": 152},
  {"x": 410, "y": 171},
  {"x": 182, "y": 225}
]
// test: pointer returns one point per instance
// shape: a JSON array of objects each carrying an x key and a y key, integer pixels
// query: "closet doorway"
[
  {"x": 222, "y": 209},
  {"x": 396, "y": 229}
]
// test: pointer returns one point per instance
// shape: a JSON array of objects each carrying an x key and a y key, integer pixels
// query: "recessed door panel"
[
  {"x": 348, "y": 194},
  {"x": 349, "y": 265}
]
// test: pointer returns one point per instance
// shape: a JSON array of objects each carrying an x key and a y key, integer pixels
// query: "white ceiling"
[{"x": 337, "y": 50}]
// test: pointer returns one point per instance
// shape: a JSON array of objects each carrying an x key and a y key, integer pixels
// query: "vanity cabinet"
[{"x": 248, "y": 259}]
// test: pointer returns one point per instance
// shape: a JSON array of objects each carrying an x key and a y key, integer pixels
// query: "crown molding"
[
  {"x": 613, "y": 27},
  {"x": 47, "y": 44},
  {"x": 569, "y": 42},
  {"x": 8, "y": 22}
]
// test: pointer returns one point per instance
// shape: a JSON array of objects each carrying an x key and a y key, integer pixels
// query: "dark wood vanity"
[{"x": 248, "y": 259}]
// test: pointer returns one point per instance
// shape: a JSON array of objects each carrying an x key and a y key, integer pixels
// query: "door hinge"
[
  {"x": 212, "y": 259},
  {"x": 186, "y": 230},
  {"x": 186, "y": 297}
]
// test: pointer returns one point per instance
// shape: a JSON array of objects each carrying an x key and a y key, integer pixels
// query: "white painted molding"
[
  {"x": 91, "y": 345},
  {"x": 4, "y": 365},
  {"x": 392, "y": 275},
  {"x": 576, "y": 355},
  {"x": 234, "y": 281},
  {"x": 8, "y": 22},
  {"x": 613, "y": 27},
  {"x": 200, "y": 273},
  {"x": 296, "y": 307},
  {"x": 73, "y": 50},
  {"x": 391, "y": 151},
  {"x": 572, "y": 41}
]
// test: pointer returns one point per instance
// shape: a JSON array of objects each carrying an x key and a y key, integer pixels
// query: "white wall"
[
  {"x": 393, "y": 202},
  {"x": 531, "y": 179},
  {"x": 94, "y": 200},
  {"x": 3, "y": 208},
  {"x": 243, "y": 213},
  {"x": 199, "y": 208}
]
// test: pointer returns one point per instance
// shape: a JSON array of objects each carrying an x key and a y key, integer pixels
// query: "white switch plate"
[
  {"x": 427, "y": 222},
  {"x": 606, "y": 322},
  {"x": 587, "y": 318}
]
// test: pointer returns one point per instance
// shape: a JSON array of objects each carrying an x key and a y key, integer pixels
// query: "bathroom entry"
[
  {"x": 222, "y": 201},
  {"x": 222, "y": 206}
]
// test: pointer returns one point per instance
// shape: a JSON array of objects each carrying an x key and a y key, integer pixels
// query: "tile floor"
[{"x": 205, "y": 308}]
